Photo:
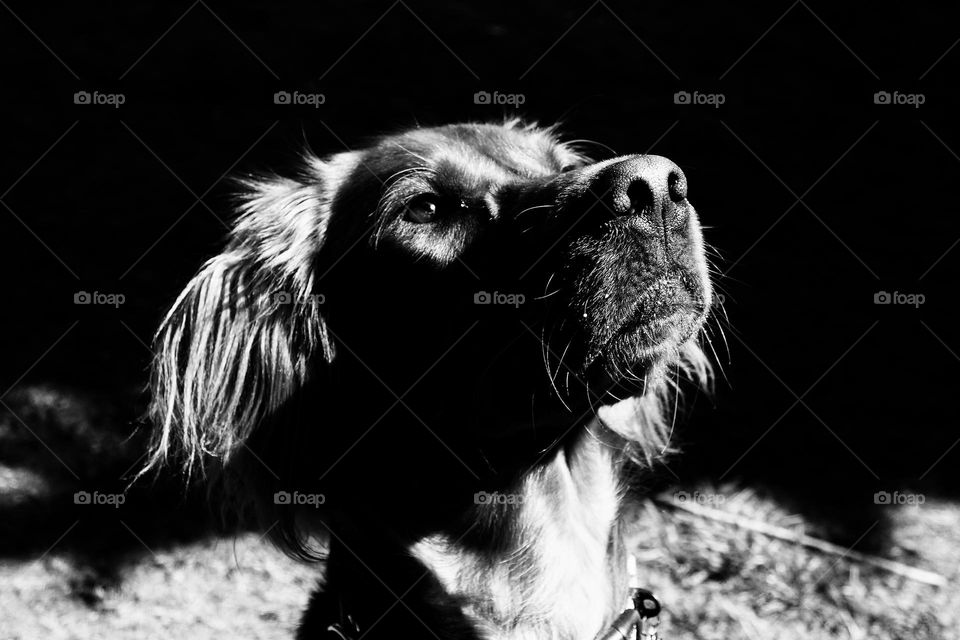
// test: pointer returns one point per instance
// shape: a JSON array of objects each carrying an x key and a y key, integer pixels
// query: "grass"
[
  {"x": 716, "y": 582},
  {"x": 153, "y": 569},
  {"x": 719, "y": 581},
  {"x": 215, "y": 588}
]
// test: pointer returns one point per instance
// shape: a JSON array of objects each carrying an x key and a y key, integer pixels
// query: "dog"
[{"x": 434, "y": 364}]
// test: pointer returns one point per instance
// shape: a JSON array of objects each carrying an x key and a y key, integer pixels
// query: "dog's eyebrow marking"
[{"x": 398, "y": 176}]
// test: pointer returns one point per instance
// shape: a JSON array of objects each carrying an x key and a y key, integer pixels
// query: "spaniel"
[{"x": 434, "y": 362}]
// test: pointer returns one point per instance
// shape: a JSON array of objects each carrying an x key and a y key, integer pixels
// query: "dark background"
[{"x": 131, "y": 200}]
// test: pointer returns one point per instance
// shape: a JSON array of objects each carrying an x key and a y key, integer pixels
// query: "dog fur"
[{"x": 468, "y": 462}]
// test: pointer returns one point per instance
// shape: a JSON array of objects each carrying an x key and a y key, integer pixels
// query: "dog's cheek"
[
  {"x": 440, "y": 243},
  {"x": 611, "y": 276}
]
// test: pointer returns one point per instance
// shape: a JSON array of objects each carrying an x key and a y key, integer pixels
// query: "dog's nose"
[{"x": 651, "y": 187}]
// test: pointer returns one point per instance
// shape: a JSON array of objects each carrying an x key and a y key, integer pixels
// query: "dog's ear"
[{"x": 243, "y": 336}]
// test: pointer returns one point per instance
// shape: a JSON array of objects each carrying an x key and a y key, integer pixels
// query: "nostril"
[
  {"x": 641, "y": 197},
  {"x": 677, "y": 186}
]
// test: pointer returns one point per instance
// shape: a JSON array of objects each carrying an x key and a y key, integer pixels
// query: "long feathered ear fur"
[{"x": 241, "y": 338}]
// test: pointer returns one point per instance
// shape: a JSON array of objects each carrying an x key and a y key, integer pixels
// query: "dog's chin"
[{"x": 637, "y": 357}]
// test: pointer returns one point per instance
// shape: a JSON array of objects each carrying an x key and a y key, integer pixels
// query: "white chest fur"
[{"x": 552, "y": 578}]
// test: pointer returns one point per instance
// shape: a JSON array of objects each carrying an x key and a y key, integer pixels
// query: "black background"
[{"x": 112, "y": 204}]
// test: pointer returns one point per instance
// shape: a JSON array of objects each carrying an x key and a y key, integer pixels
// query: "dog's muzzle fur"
[{"x": 455, "y": 311}]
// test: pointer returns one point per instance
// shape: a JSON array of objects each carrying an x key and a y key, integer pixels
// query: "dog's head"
[{"x": 483, "y": 276}]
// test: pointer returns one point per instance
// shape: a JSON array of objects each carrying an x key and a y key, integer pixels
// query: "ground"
[
  {"x": 714, "y": 580},
  {"x": 156, "y": 566},
  {"x": 719, "y": 581},
  {"x": 215, "y": 588}
]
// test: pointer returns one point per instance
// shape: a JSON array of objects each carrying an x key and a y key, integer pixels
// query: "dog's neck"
[{"x": 556, "y": 571}]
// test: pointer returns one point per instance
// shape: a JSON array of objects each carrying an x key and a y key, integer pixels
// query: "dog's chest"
[{"x": 553, "y": 579}]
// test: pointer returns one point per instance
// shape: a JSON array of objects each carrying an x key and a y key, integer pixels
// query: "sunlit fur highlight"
[
  {"x": 240, "y": 338},
  {"x": 244, "y": 336}
]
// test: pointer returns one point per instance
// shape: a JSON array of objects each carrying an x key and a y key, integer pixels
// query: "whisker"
[
  {"x": 546, "y": 292},
  {"x": 545, "y": 350},
  {"x": 539, "y": 206},
  {"x": 548, "y": 295},
  {"x": 408, "y": 170},
  {"x": 594, "y": 143},
  {"x": 560, "y": 364},
  {"x": 716, "y": 357}
]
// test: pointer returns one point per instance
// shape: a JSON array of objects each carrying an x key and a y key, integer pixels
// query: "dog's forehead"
[{"x": 508, "y": 148}]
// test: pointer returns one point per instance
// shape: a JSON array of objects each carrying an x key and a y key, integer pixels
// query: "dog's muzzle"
[{"x": 629, "y": 256}]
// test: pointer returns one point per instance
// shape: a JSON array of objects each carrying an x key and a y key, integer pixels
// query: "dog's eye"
[{"x": 421, "y": 209}]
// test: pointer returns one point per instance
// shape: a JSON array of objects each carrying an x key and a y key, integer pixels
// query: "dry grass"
[
  {"x": 71, "y": 572},
  {"x": 236, "y": 588},
  {"x": 719, "y": 581},
  {"x": 716, "y": 581}
]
